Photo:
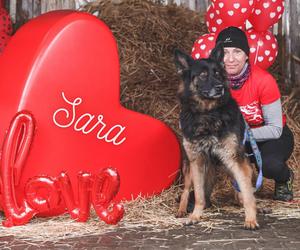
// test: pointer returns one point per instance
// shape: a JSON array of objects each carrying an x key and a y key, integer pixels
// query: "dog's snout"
[
  {"x": 219, "y": 87},
  {"x": 209, "y": 93},
  {"x": 205, "y": 92},
  {"x": 214, "y": 92}
]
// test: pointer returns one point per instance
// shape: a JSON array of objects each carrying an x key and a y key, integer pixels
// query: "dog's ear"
[
  {"x": 182, "y": 61},
  {"x": 217, "y": 53}
]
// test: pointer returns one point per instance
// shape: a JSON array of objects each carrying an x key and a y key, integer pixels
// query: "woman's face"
[{"x": 234, "y": 60}]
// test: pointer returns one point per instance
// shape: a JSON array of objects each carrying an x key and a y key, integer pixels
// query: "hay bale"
[{"x": 147, "y": 33}]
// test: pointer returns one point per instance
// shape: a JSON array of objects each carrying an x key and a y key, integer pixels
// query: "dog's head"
[{"x": 204, "y": 79}]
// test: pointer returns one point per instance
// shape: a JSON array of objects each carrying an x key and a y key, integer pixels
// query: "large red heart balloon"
[{"x": 63, "y": 68}]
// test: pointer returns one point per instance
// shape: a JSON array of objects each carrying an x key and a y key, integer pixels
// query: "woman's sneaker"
[{"x": 284, "y": 191}]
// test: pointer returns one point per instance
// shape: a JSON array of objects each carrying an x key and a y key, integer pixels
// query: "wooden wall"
[
  {"x": 288, "y": 28},
  {"x": 22, "y": 10},
  {"x": 198, "y": 5},
  {"x": 291, "y": 31}
]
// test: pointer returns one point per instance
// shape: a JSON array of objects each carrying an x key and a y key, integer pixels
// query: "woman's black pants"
[{"x": 274, "y": 154}]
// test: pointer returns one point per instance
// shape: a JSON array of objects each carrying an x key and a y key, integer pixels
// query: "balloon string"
[{"x": 256, "y": 54}]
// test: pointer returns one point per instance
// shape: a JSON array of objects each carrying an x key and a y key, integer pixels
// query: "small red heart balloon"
[
  {"x": 63, "y": 68},
  {"x": 203, "y": 46}
]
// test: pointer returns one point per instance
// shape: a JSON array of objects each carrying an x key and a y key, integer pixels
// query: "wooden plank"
[
  {"x": 48, "y": 5},
  {"x": 291, "y": 30},
  {"x": 198, "y": 5},
  {"x": 295, "y": 42},
  {"x": 25, "y": 10},
  {"x": 202, "y": 5}
]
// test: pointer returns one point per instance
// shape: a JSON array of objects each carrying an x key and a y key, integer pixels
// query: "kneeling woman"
[{"x": 258, "y": 97}]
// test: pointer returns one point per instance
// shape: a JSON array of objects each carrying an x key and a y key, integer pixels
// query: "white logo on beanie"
[{"x": 228, "y": 40}]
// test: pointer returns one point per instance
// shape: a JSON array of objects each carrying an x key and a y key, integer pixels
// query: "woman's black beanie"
[{"x": 234, "y": 37}]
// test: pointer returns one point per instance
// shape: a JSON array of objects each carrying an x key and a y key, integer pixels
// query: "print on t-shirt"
[{"x": 252, "y": 113}]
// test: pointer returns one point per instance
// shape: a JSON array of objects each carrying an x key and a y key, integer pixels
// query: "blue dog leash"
[{"x": 248, "y": 134}]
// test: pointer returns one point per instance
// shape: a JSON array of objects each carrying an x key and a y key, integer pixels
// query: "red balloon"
[
  {"x": 42, "y": 194},
  {"x": 234, "y": 12},
  {"x": 13, "y": 155},
  {"x": 263, "y": 48},
  {"x": 5, "y": 22},
  {"x": 266, "y": 14},
  {"x": 203, "y": 46},
  {"x": 214, "y": 22},
  {"x": 80, "y": 210},
  {"x": 105, "y": 188},
  {"x": 63, "y": 66}
]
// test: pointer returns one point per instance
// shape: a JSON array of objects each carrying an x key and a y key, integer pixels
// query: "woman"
[{"x": 258, "y": 97}]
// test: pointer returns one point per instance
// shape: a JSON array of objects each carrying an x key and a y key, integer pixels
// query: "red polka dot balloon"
[
  {"x": 266, "y": 14},
  {"x": 4, "y": 38},
  {"x": 203, "y": 46},
  {"x": 263, "y": 48},
  {"x": 214, "y": 21},
  {"x": 5, "y": 22},
  {"x": 234, "y": 12}
]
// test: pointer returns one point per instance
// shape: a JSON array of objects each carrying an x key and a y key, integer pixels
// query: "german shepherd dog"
[{"x": 213, "y": 131}]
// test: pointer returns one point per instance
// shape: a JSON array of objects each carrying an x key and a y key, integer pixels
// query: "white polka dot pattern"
[
  {"x": 214, "y": 21},
  {"x": 234, "y": 12}
]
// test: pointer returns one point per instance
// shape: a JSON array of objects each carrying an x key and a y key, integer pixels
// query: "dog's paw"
[
  {"x": 180, "y": 214},
  {"x": 264, "y": 210},
  {"x": 251, "y": 225},
  {"x": 193, "y": 219}
]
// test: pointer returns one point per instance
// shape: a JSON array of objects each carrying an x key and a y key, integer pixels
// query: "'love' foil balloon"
[{"x": 63, "y": 69}]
